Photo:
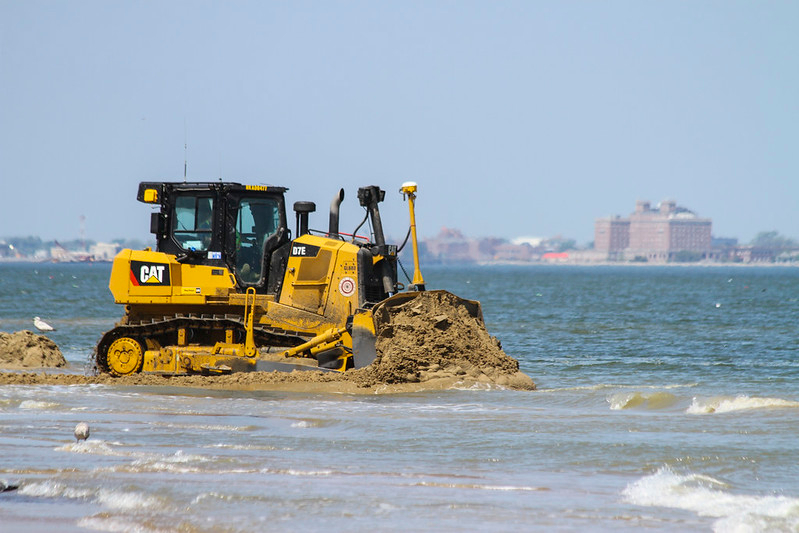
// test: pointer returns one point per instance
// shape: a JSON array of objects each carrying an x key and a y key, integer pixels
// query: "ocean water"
[{"x": 668, "y": 401}]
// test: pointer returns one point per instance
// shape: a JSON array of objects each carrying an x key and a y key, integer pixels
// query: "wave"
[
  {"x": 179, "y": 462},
  {"x": 247, "y": 447},
  {"x": 109, "y": 498},
  {"x": 603, "y": 386},
  {"x": 203, "y": 427},
  {"x": 728, "y": 404},
  {"x": 36, "y": 404},
  {"x": 710, "y": 497},
  {"x": 476, "y": 486},
  {"x": 53, "y": 489},
  {"x": 653, "y": 400},
  {"x": 116, "y": 524},
  {"x": 92, "y": 446},
  {"x": 298, "y": 473}
]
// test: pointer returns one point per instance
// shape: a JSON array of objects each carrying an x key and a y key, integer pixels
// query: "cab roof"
[{"x": 154, "y": 191}]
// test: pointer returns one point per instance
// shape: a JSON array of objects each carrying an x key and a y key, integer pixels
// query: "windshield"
[{"x": 193, "y": 222}]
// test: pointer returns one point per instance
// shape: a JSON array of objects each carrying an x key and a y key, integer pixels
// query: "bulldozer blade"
[
  {"x": 363, "y": 348},
  {"x": 367, "y": 325},
  {"x": 363, "y": 340},
  {"x": 272, "y": 366}
]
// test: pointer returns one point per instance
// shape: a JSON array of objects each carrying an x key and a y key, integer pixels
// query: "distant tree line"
[
  {"x": 28, "y": 246},
  {"x": 772, "y": 239}
]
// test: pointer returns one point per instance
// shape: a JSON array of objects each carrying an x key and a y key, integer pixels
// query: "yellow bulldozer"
[{"x": 228, "y": 288}]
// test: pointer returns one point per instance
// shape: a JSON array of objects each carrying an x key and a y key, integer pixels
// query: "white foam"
[
  {"x": 125, "y": 501},
  {"x": 211, "y": 495},
  {"x": 203, "y": 427},
  {"x": 115, "y": 525},
  {"x": 113, "y": 499},
  {"x": 299, "y": 473},
  {"x": 477, "y": 486},
  {"x": 36, "y": 404},
  {"x": 91, "y": 446},
  {"x": 602, "y": 386},
  {"x": 248, "y": 447},
  {"x": 53, "y": 489},
  {"x": 710, "y": 497},
  {"x": 179, "y": 462},
  {"x": 728, "y": 404}
]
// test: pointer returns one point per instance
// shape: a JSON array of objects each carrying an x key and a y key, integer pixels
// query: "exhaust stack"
[{"x": 332, "y": 229}]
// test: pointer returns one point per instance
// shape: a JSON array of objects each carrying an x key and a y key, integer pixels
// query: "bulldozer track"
[{"x": 201, "y": 329}]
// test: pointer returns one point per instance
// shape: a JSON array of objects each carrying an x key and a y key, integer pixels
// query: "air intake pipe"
[
  {"x": 303, "y": 209},
  {"x": 369, "y": 197},
  {"x": 332, "y": 229}
]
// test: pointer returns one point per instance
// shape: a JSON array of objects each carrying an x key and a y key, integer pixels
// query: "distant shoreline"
[
  {"x": 481, "y": 264},
  {"x": 618, "y": 264}
]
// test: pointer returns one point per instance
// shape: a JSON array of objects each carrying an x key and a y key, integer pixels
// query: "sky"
[{"x": 515, "y": 118}]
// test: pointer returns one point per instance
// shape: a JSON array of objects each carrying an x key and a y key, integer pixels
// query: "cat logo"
[{"x": 142, "y": 273}]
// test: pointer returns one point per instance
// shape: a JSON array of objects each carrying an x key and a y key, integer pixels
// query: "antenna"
[{"x": 185, "y": 150}]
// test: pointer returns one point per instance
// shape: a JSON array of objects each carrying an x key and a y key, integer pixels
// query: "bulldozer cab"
[{"x": 222, "y": 224}]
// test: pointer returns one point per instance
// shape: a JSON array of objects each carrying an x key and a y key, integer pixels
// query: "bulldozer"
[{"x": 230, "y": 289}]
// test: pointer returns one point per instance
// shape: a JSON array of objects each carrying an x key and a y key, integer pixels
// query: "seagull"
[
  {"x": 82, "y": 431},
  {"x": 41, "y": 325}
]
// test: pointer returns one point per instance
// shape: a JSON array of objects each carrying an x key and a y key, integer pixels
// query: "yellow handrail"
[{"x": 249, "y": 315}]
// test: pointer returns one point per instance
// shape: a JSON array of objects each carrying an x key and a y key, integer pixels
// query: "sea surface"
[{"x": 668, "y": 400}]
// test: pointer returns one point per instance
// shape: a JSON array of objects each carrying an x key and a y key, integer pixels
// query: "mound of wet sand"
[
  {"x": 26, "y": 349},
  {"x": 432, "y": 342},
  {"x": 439, "y": 336}
]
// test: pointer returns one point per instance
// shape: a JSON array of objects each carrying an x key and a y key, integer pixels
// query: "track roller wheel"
[{"x": 125, "y": 356}]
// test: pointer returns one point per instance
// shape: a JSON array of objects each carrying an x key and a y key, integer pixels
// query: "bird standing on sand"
[
  {"x": 82, "y": 431},
  {"x": 41, "y": 325}
]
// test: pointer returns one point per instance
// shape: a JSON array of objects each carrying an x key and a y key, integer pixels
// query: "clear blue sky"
[{"x": 515, "y": 118}]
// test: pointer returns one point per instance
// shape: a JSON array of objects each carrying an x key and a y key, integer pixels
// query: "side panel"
[
  {"x": 322, "y": 277},
  {"x": 144, "y": 276}
]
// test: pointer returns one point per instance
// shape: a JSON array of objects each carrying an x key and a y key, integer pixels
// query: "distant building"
[
  {"x": 555, "y": 257},
  {"x": 451, "y": 247},
  {"x": 612, "y": 237},
  {"x": 667, "y": 233},
  {"x": 513, "y": 253},
  {"x": 104, "y": 251}
]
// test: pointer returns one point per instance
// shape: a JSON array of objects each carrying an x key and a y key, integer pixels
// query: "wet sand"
[
  {"x": 428, "y": 343},
  {"x": 279, "y": 381}
]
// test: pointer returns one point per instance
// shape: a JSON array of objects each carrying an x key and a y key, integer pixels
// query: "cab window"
[{"x": 193, "y": 222}]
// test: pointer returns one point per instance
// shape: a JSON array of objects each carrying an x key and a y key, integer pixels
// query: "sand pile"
[
  {"x": 25, "y": 349},
  {"x": 433, "y": 341},
  {"x": 438, "y": 336}
]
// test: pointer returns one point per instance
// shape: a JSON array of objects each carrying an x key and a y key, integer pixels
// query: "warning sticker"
[{"x": 346, "y": 286}]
